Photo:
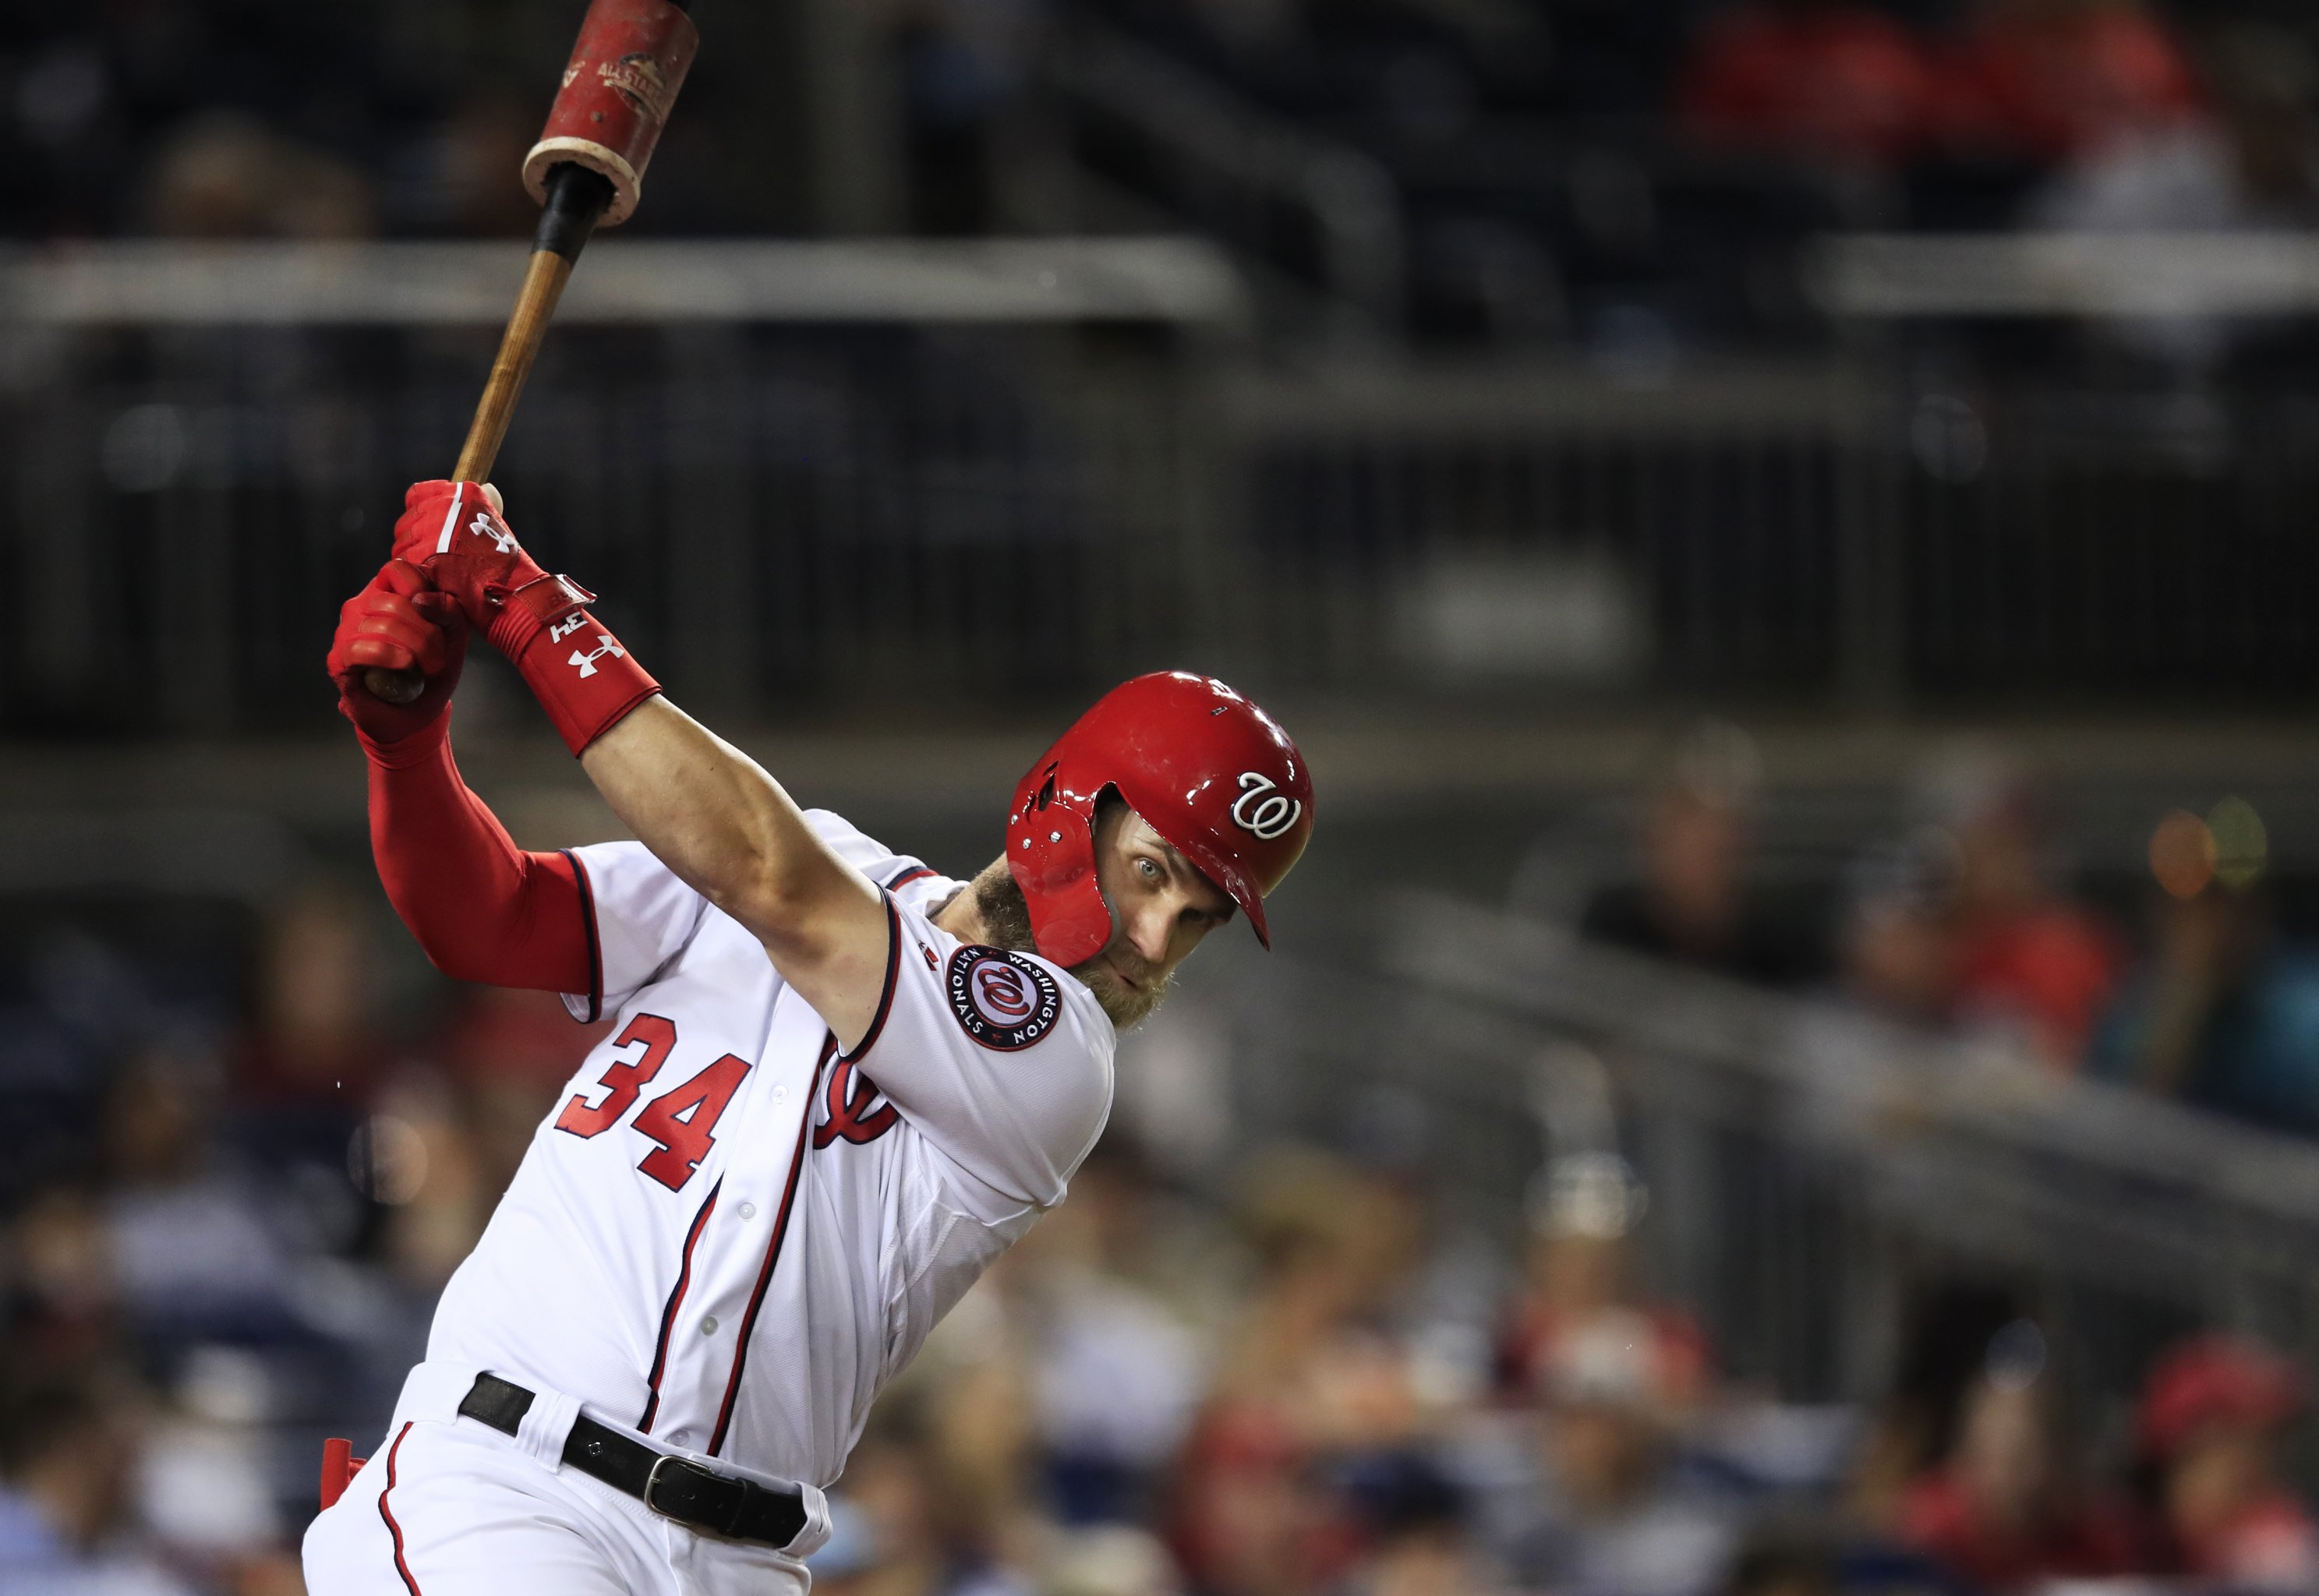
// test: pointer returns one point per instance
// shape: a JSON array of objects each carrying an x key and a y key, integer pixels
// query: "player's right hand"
[
  {"x": 456, "y": 533},
  {"x": 398, "y": 622}
]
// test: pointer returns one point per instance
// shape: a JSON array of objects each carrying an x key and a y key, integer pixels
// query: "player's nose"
[{"x": 1148, "y": 932}]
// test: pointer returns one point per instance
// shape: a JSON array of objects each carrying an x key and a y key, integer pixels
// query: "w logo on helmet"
[{"x": 1263, "y": 809}]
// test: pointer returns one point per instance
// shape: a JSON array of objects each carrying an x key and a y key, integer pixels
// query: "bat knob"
[{"x": 394, "y": 687}]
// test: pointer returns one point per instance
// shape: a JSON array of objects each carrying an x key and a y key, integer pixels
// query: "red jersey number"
[
  {"x": 624, "y": 1080},
  {"x": 682, "y": 1120}
]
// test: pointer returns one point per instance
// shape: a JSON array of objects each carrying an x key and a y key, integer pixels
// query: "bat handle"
[{"x": 576, "y": 200}]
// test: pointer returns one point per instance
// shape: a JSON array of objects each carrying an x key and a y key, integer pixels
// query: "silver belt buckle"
[{"x": 652, "y": 1483}]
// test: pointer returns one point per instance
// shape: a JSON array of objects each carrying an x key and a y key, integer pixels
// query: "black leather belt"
[{"x": 677, "y": 1488}]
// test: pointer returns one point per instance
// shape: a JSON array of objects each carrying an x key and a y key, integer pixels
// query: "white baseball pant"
[{"x": 450, "y": 1507}]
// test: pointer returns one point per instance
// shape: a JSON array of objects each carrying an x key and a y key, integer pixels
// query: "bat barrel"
[{"x": 624, "y": 75}]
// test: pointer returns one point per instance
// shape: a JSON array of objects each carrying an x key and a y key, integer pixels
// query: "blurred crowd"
[
  {"x": 246, "y": 1166},
  {"x": 243, "y": 1185},
  {"x": 241, "y": 118},
  {"x": 1276, "y": 1396},
  {"x": 1969, "y": 925},
  {"x": 239, "y": 1185},
  {"x": 2091, "y": 113},
  {"x": 1631, "y": 179}
]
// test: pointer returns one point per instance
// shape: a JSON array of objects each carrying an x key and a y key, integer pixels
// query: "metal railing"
[
  {"x": 1807, "y": 1165},
  {"x": 1827, "y": 532},
  {"x": 808, "y": 474},
  {"x": 799, "y": 474}
]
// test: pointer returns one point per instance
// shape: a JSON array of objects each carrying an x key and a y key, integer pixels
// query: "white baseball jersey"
[{"x": 728, "y": 1235}]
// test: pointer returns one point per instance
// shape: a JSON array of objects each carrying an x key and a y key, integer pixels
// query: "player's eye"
[{"x": 1151, "y": 871}]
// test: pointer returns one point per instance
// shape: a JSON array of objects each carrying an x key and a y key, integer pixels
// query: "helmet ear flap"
[{"x": 1050, "y": 854}]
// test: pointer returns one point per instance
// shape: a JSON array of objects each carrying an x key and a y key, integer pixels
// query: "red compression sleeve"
[{"x": 484, "y": 909}]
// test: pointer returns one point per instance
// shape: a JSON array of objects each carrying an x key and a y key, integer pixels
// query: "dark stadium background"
[{"x": 1784, "y": 527}]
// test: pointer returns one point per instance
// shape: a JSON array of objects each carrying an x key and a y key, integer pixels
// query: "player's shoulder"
[
  {"x": 884, "y": 868},
  {"x": 613, "y": 873},
  {"x": 1005, "y": 1000}
]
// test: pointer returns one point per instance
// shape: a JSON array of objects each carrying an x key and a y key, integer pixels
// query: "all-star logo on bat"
[{"x": 639, "y": 80}]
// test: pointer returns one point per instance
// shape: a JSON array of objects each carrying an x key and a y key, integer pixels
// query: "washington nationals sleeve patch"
[{"x": 1003, "y": 1000}]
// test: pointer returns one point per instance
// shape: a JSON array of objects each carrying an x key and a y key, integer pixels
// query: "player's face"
[{"x": 1161, "y": 909}]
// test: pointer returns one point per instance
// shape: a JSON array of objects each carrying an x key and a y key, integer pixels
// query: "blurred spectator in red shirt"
[
  {"x": 1580, "y": 1268},
  {"x": 2057, "y": 80},
  {"x": 2004, "y": 1510},
  {"x": 2212, "y": 1419},
  {"x": 2029, "y": 964},
  {"x": 1250, "y": 1515},
  {"x": 1819, "y": 79}
]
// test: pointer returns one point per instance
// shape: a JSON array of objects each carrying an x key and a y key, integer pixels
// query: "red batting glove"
[
  {"x": 397, "y": 623},
  {"x": 452, "y": 532},
  {"x": 576, "y": 669}
]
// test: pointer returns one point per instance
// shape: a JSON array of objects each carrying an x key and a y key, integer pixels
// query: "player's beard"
[
  {"x": 1006, "y": 921},
  {"x": 1125, "y": 1003}
]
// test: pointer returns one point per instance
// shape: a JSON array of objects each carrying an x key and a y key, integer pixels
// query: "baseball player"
[{"x": 836, "y": 1086}]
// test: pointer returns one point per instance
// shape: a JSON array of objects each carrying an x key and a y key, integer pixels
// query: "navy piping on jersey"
[
  {"x": 916, "y": 872},
  {"x": 886, "y": 997},
  {"x": 675, "y": 1300},
  {"x": 401, "y": 1566},
  {"x": 772, "y": 1255},
  {"x": 588, "y": 925}
]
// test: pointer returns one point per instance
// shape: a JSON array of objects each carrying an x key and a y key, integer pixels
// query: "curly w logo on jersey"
[
  {"x": 854, "y": 1109},
  {"x": 1003, "y": 1000}
]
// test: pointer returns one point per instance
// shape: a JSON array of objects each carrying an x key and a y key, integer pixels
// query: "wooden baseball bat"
[
  {"x": 576, "y": 198},
  {"x": 587, "y": 166}
]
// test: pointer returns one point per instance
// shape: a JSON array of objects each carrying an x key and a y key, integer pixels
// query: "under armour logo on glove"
[
  {"x": 587, "y": 662},
  {"x": 483, "y": 526}
]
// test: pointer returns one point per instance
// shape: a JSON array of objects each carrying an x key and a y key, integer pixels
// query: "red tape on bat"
[{"x": 623, "y": 77}]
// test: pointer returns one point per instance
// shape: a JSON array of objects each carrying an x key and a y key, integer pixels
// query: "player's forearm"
[
  {"x": 481, "y": 908},
  {"x": 712, "y": 814}
]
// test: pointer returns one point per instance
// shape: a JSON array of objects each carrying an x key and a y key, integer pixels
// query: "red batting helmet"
[{"x": 1213, "y": 774}]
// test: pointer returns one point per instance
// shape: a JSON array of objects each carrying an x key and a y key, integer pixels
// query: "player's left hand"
[
  {"x": 456, "y": 534},
  {"x": 398, "y": 622}
]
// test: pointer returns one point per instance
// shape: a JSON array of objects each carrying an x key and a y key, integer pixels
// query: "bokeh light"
[{"x": 2183, "y": 854}]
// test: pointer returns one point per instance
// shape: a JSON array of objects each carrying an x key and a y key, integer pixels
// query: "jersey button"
[
  {"x": 708, "y": 1325},
  {"x": 680, "y": 1438},
  {"x": 748, "y": 1210}
]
